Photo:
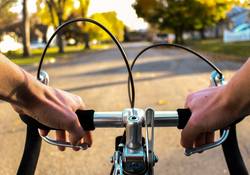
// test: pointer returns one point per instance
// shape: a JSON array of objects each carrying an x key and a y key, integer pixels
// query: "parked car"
[{"x": 160, "y": 38}]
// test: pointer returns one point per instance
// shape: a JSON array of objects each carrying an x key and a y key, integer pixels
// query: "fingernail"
[
  {"x": 61, "y": 148},
  {"x": 76, "y": 149}
]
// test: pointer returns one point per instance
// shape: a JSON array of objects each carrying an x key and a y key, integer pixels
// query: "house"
[
  {"x": 238, "y": 16},
  {"x": 238, "y": 25}
]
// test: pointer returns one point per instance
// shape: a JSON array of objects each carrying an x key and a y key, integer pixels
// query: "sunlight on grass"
[{"x": 52, "y": 53}]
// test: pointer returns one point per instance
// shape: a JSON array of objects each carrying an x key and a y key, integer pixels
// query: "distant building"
[
  {"x": 238, "y": 16},
  {"x": 238, "y": 28}
]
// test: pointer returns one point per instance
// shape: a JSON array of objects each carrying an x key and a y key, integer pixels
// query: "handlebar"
[{"x": 90, "y": 119}]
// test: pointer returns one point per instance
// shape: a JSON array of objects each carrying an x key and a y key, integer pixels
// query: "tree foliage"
[
  {"x": 55, "y": 12},
  {"x": 183, "y": 15},
  {"x": 52, "y": 11},
  {"x": 6, "y": 15},
  {"x": 111, "y": 22}
]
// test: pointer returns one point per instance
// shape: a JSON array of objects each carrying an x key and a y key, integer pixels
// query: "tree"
[
  {"x": 111, "y": 22},
  {"x": 26, "y": 30},
  {"x": 183, "y": 15},
  {"x": 210, "y": 13},
  {"x": 7, "y": 17},
  {"x": 55, "y": 12}
]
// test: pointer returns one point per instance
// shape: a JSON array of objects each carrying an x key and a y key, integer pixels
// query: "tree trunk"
[
  {"x": 26, "y": 30},
  {"x": 59, "y": 36},
  {"x": 86, "y": 41},
  {"x": 176, "y": 36},
  {"x": 217, "y": 30},
  {"x": 202, "y": 33},
  {"x": 126, "y": 37},
  {"x": 179, "y": 36}
]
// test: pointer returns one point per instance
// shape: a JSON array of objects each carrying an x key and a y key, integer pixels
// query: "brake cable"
[
  {"x": 124, "y": 56},
  {"x": 130, "y": 87}
]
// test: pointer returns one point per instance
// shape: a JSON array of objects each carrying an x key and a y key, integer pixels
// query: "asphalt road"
[{"x": 163, "y": 79}]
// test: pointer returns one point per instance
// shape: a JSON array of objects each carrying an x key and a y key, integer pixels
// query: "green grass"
[
  {"x": 237, "y": 51},
  {"x": 52, "y": 53}
]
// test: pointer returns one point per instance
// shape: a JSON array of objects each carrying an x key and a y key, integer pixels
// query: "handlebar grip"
[
  {"x": 85, "y": 117},
  {"x": 184, "y": 116}
]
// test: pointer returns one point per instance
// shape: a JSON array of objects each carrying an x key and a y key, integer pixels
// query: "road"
[{"x": 163, "y": 77}]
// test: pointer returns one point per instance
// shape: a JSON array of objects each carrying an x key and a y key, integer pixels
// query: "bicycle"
[{"x": 134, "y": 154}]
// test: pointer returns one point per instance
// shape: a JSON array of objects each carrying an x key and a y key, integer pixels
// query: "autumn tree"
[
  {"x": 111, "y": 22},
  {"x": 183, "y": 15},
  {"x": 7, "y": 17},
  {"x": 56, "y": 12}
]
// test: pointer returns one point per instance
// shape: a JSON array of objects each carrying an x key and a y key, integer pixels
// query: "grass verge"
[{"x": 215, "y": 48}]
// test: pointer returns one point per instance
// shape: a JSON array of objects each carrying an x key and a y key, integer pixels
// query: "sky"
[{"x": 123, "y": 8}]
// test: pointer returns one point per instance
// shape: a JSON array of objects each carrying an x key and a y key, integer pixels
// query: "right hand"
[{"x": 211, "y": 110}]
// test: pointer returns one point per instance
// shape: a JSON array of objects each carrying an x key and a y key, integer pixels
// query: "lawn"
[
  {"x": 237, "y": 51},
  {"x": 51, "y": 55}
]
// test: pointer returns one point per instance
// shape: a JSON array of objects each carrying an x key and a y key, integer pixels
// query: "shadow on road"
[
  {"x": 177, "y": 66},
  {"x": 101, "y": 85}
]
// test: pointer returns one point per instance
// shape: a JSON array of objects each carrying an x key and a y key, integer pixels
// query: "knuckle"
[
  {"x": 197, "y": 124},
  {"x": 189, "y": 98},
  {"x": 193, "y": 123},
  {"x": 79, "y": 102}
]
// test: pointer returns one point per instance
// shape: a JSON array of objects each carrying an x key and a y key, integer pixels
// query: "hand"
[
  {"x": 56, "y": 108},
  {"x": 210, "y": 111}
]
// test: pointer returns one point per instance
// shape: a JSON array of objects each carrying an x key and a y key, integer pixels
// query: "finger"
[
  {"x": 76, "y": 135},
  {"x": 78, "y": 144},
  {"x": 209, "y": 137},
  {"x": 88, "y": 138},
  {"x": 61, "y": 136},
  {"x": 190, "y": 133},
  {"x": 188, "y": 100},
  {"x": 43, "y": 132},
  {"x": 81, "y": 105},
  {"x": 17, "y": 109},
  {"x": 200, "y": 140}
]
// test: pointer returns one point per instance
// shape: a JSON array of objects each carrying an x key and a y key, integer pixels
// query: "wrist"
[
  {"x": 30, "y": 93},
  {"x": 234, "y": 102}
]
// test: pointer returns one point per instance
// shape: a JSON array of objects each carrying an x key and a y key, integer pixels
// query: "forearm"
[
  {"x": 237, "y": 91},
  {"x": 17, "y": 86}
]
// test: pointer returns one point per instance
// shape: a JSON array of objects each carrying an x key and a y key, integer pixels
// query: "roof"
[{"x": 237, "y": 11}]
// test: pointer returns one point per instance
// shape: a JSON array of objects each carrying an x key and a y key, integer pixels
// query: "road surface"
[{"x": 163, "y": 79}]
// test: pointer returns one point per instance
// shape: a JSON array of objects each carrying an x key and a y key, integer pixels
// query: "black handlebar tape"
[
  {"x": 85, "y": 117},
  {"x": 184, "y": 116}
]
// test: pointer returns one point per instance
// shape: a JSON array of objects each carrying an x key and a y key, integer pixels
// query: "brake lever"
[
  {"x": 47, "y": 139},
  {"x": 190, "y": 151},
  {"x": 150, "y": 140},
  {"x": 215, "y": 80}
]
